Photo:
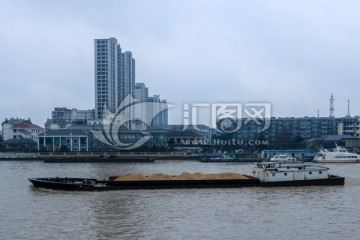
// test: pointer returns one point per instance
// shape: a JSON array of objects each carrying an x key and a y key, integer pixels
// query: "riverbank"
[{"x": 106, "y": 157}]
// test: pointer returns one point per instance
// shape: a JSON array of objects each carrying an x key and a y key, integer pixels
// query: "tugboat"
[{"x": 273, "y": 174}]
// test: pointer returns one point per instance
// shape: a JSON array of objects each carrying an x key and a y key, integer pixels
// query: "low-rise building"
[
  {"x": 349, "y": 126},
  {"x": 73, "y": 115},
  {"x": 17, "y": 128},
  {"x": 63, "y": 140}
]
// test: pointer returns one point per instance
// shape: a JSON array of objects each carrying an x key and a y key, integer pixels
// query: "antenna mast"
[
  {"x": 332, "y": 109},
  {"x": 348, "y": 114}
]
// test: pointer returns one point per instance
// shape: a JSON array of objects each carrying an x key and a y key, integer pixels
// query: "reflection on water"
[{"x": 244, "y": 213}]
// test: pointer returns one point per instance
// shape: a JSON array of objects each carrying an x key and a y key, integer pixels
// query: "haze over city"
[{"x": 290, "y": 54}]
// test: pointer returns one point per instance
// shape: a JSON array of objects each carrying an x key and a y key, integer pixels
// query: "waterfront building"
[
  {"x": 299, "y": 154},
  {"x": 349, "y": 126},
  {"x": 63, "y": 140},
  {"x": 162, "y": 136},
  {"x": 159, "y": 137},
  {"x": 282, "y": 130},
  {"x": 17, "y": 128},
  {"x": 186, "y": 135}
]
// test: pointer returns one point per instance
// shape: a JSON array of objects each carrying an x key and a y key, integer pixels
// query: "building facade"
[
  {"x": 106, "y": 75},
  {"x": 140, "y": 110},
  {"x": 63, "y": 140},
  {"x": 17, "y": 128},
  {"x": 114, "y": 76},
  {"x": 72, "y": 115},
  {"x": 349, "y": 126},
  {"x": 157, "y": 112},
  {"x": 284, "y": 129}
]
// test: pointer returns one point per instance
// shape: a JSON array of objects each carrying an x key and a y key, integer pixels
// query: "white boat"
[
  {"x": 338, "y": 155},
  {"x": 282, "y": 158},
  {"x": 294, "y": 174}
]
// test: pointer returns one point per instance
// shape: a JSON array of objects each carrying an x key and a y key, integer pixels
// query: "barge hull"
[
  {"x": 82, "y": 184},
  {"x": 63, "y": 184},
  {"x": 69, "y": 184},
  {"x": 333, "y": 180}
]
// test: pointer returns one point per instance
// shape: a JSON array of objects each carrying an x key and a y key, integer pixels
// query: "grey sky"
[{"x": 292, "y": 54}]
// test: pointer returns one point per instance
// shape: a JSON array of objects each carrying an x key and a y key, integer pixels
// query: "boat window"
[
  {"x": 310, "y": 172},
  {"x": 320, "y": 172},
  {"x": 273, "y": 174},
  {"x": 285, "y": 174}
]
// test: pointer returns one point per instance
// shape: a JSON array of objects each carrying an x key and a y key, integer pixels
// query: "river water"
[{"x": 245, "y": 213}]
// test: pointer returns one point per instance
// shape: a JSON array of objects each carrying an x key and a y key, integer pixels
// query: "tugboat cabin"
[{"x": 275, "y": 172}]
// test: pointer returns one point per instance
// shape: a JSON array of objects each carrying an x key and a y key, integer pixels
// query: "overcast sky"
[{"x": 292, "y": 54}]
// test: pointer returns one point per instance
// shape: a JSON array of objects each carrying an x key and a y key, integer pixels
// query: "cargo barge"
[
  {"x": 85, "y": 184},
  {"x": 265, "y": 174}
]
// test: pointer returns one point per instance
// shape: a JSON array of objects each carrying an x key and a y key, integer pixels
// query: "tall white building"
[
  {"x": 115, "y": 86},
  {"x": 140, "y": 110},
  {"x": 106, "y": 75},
  {"x": 157, "y": 112},
  {"x": 114, "y": 76},
  {"x": 126, "y": 76}
]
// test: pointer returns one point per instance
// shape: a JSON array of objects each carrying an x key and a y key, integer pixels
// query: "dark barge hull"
[
  {"x": 75, "y": 184},
  {"x": 333, "y": 180},
  {"x": 70, "y": 184},
  {"x": 85, "y": 184}
]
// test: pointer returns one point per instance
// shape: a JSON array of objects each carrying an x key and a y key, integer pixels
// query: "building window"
[
  {"x": 320, "y": 172},
  {"x": 285, "y": 174},
  {"x": 310, "y": 172}
]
